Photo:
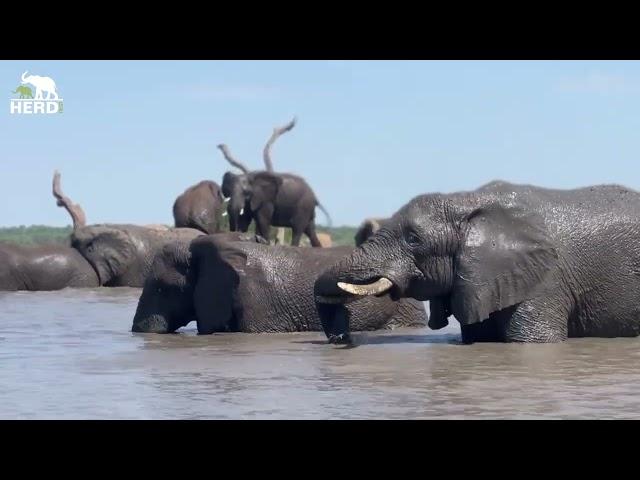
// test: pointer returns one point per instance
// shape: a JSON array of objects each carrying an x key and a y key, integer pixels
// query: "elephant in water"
[
  {"x": 269, "y": 198},
  {"x": 200, "y": 206},
  {"x": 46, "y": 267},
  {"x": 511, "y": 262},
  {"x": 120, "y": 254},
  {"x": 111, "y": 255},
  {"x": 247, "y": 286}
]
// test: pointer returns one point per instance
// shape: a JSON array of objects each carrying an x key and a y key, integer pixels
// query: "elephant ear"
[
  {"x": 219, "y": 267},
  {"x": 264, "y": 189},
  {"x": 216, "y": 191},
  {"x": 506, "y": 254},
  {"x": 228, "y": 180}
]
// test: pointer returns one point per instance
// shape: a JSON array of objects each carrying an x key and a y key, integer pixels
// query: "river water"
[{"x": 70, "y": 355}]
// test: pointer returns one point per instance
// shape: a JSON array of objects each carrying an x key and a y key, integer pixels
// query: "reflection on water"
[{"x": 70, "y": 354}]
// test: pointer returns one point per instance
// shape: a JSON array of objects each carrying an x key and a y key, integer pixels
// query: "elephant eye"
[{"x": 412, "y": 238}]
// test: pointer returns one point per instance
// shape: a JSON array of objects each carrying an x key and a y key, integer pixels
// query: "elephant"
[
  {"x": 270, "y": 198},
  {"x": 24, "y": 91},
  {"x": 120, "y": 254},
  {"x": 200, "y": 206},
  {"x": 252, "y": 287},
  {"x": 42, "y": 84},
  {"x": 44, "y": 267},
  {"x": 511, "y": 262}
]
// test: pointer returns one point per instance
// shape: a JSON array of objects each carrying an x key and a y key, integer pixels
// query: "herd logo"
[{"x": 27, "y": 103}]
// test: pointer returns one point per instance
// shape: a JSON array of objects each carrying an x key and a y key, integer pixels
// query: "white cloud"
[{"x": 603, "y": 83}]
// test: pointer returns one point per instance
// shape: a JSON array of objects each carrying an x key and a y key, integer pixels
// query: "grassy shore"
[{"x": 42, "y": 234}]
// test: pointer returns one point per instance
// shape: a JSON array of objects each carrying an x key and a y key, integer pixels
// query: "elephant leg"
[
  {"x": 232, "y": 224},
  {"x": 310, "y": 232},
  {"x": 296, "y": 235},
  {"x": 539, "y": 320},
  {"x": 263, "y": 222},
  {"x": 490, "y": 330}
]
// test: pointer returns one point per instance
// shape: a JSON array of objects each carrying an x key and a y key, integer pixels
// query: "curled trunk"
[
  {"x": 266, "y": 154},
  {"x": 77, "y": 214}
]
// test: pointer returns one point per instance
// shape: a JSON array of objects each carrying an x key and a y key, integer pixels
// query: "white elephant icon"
[{"x": 42, "y": 84}]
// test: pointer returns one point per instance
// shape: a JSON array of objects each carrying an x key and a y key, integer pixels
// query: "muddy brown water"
[{"x": 71, "y": 355}]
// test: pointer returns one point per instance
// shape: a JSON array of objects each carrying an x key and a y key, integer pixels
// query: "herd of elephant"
[{"x": 511, "y": 262}]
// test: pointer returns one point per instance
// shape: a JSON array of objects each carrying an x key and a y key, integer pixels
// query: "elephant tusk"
[
  {"x": 226, "y": 199},
  {"x": 241, "y": 211},
  {"x": 379, "y": 286},
  {"x": 224, "y": 214}
]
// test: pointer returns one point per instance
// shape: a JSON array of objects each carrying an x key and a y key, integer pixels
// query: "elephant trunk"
[
  {"x": 75, "y": 210},
  {"x": 150, "y": 324},
  {"x": 368, "y": 270},
  {"x": 364, "y": 272}
]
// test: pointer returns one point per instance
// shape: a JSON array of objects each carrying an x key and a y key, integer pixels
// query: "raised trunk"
[
  {"x": 266, "y": 154},
  {"x": 231, "y": 159},
  {"x": 77, "y": 214}
]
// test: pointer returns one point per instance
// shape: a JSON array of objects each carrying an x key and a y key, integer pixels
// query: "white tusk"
[
  {"x": 225, "y": 214},
  {"x": 381, "y": 285},
  {"x": 227, "y": 199},
  {"x": 241, "y": 211}
]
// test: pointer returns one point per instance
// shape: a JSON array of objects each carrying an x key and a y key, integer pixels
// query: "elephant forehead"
[{"x": 278, "y": 268}]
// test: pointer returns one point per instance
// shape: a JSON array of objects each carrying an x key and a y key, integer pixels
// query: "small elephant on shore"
[
  {"x": 248, "y": 286},
  {"x": 511, "y": 262}
]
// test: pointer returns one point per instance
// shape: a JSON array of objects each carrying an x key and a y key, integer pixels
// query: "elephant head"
[
  {"x": 248, "y": 193},
  {"x": 110, "y": 250},
  {"x": 240, "y": 189},
  {"x": 166, "y": 302},
  {"x": 185, "y": 280},
  {"x": 469, "y": 256},
  {"x": 235, "y": 188}
]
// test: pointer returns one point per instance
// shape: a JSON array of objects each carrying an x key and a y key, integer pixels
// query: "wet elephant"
[
  {"x": 511, "y": 262},
  {"x": 245, "y": 286}
]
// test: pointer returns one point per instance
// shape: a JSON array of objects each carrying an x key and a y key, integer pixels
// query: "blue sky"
[{"x": 370, "y": 135}]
